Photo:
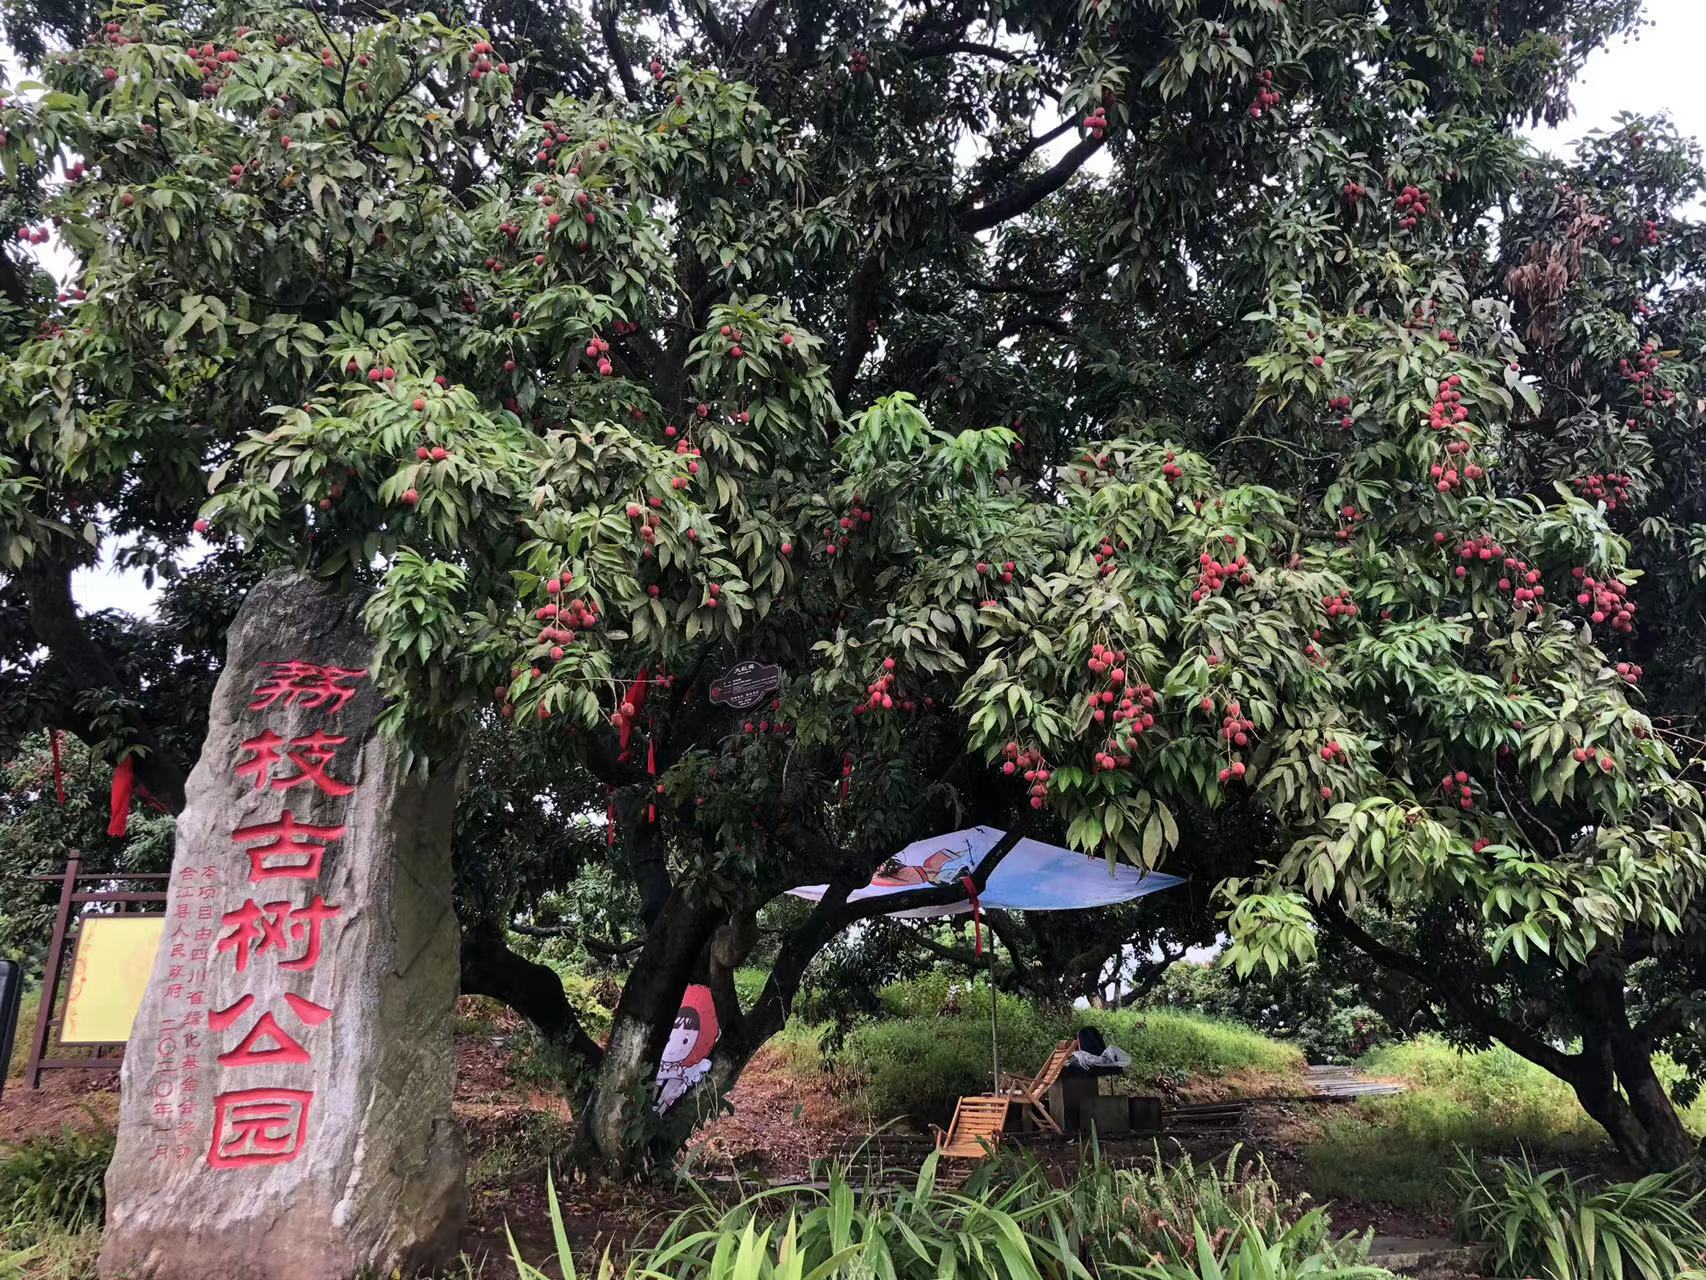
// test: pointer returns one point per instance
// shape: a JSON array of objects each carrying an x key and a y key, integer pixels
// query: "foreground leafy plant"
[
  {"x": 1253, "y": 1252},
  {"x": 1553, "y": 1225},
  {"x": 1005, "y": 1221},
  {"x": 48, "y": 1183},
  {"x": 1157, "y": 1212}
]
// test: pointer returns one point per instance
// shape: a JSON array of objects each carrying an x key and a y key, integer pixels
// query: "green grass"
[
  {"x": 1490, "y": 1102},
  {"x": 29, "y": 1008},
  {"x": 918, "y": 1060},
  {"x": 1491, "y": 1099},
  {"x": 1168, "y": 1043},
  {"x": 749, "y": 984},
  {"x": 50, "y": 1254}
]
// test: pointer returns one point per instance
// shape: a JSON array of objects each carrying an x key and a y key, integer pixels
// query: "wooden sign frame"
[{"x": 53, "y": 975}]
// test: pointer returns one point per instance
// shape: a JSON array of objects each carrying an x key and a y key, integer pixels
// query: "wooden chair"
[
  {"x": 1033, "y": 1093},
  {"x": 975, "y": 1128}
]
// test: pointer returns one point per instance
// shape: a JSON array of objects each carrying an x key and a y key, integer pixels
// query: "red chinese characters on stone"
[
  {"x": 267, "y": 1042},
  {"x": 311, "y": 755},
  {"x": 269, "y": 1125},
  {"x": 255, "y": 928},
  {"x": 258, "y": 1126},
  {"x": 286, "y": 839},
  {"x": 305, "y": 684}
]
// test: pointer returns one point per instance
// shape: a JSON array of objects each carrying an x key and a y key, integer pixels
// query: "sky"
[{"x": 1658, "y": 71}]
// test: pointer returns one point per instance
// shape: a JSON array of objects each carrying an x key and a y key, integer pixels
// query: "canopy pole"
[{"x": 994, "y": 1027}]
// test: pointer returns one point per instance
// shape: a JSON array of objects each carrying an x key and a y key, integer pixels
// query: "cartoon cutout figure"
[
  {"x": 686, "y": 1056},
  {"x": 896, "y": 875}
]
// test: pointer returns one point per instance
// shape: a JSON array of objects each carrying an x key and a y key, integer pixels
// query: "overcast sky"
[{"x": 1657, "y": 72}]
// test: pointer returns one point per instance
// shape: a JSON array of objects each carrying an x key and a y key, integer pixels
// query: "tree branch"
[
  {"x": 711, "y": 25},
  {"x": 618, "y": 52},
  {"x": 1011, "y": 163},
  {"x": 757, "y": 21},
  {"x": 490, "y": 968},
  {"x": 859, "y": 334},
  {"x": 1018, "y": 287},
  {"x": 598, "y": 945},
  {"x": 1452, "y": 991},
  {"x": 1030, "y": 194},
  {"x": 54, "y": 619},
  {"x": 1035, "y": 320},
  {"x": 959, "y": 955},
  {"x": 1668, "y": 1019},
  {"x": 975, "y": 48},
  {"x": 1151, "y": 976}
]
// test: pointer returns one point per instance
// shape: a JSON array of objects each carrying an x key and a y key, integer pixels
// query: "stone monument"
[{"x": 287, "y": 1085}]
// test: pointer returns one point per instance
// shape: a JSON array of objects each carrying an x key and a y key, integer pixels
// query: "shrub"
[
  {"x": 55, "y": 1183},
  {"x": 1318, "y": 1005},
  {"x": 1556, "y": 1226},
  {"x": 918, "y": 1065}
]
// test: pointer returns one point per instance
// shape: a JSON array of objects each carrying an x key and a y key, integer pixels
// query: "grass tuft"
[{"x": 931, "y": 1049}]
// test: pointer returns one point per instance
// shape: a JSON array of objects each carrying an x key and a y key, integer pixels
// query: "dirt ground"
[{"x": 780, "y": 1124}]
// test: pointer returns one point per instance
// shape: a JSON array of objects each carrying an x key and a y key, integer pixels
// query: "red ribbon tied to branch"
[
  {"x": 124, "y": 783},
  {"x": 58, "y": 768},
  {"x": 976, "y": 911},
  {"x": 636, "y": 699},
  {"x": 651, "y": 771}
]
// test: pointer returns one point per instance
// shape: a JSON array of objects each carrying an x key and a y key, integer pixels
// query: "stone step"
[{"x": 1411, "y": 1256}]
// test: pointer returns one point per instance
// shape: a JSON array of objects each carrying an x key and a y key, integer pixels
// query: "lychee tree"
[
  {"x": 1600, "y": 257},
  {"x": 1073, "y": 498}
]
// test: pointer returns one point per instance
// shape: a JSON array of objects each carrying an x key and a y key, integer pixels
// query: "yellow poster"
[{"x": 115, "y": 956}]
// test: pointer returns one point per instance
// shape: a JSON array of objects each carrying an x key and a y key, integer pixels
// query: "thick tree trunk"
[
  {"x": 1649, "y": 1131},
  {"x": 1668, "y": 1143},
  {"x": 1594, "y": 1080},
  {"x": 618, "y": 1133}
]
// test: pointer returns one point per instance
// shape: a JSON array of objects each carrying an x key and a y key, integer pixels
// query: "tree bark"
[
  {"x": 1648, "y": 1130},
  {"x": 618, "y": 1135}
]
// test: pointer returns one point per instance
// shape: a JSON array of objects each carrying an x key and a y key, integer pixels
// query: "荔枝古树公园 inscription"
[{"x": 287, "y": 1085}]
